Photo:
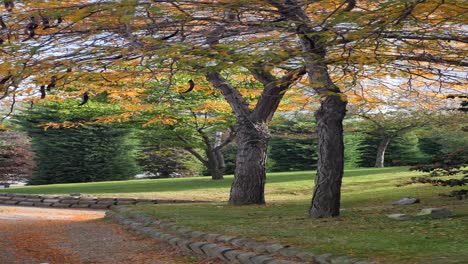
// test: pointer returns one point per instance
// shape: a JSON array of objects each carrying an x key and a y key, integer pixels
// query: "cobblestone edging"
[
  {"x": 227, "y": 248},
  {"x": 75, "y": 201}
]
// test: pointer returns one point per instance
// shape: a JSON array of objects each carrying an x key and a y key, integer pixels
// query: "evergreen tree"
[
  {"x": 70, "y": 148},
  {"x": 293, "y": 146},
  {"x": 352, "y": 152}
]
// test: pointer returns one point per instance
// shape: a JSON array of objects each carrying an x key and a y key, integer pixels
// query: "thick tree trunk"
[
  {"x": 327, "y": 193},
  {"x": 380, "y": 158},
  {"x": 250, "y": 175},
  {"x": 252, "y": 130}
]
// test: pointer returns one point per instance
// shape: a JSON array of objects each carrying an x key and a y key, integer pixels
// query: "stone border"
[
  {"x": 227, "y": 248},
  {"x": 66, "y": 201}
]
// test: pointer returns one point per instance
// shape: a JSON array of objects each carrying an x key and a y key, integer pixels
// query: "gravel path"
[{"x": 65, "y": 236}]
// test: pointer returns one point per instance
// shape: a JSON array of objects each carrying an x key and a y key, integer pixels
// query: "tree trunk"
[
  {"x": 380, "y": 159},
  {"x": 216, "y": 164},
  {"x": 250, "y": 174},
  {"x": 327, "y": 194}
]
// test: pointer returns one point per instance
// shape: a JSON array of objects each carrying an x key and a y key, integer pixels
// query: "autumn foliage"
[{"x": 333, "y": 52}]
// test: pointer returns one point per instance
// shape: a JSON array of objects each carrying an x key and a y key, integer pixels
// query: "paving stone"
[
  {"x": 18, "y": 199},
  {"x": 145, "y": 229},
  {"x": 225, "y": 239},
  {"x": 210, "y": 237},
  {"x": 306, "y": 256},
  {"x": 142, "y": 218},
  {"x": 261, "y": 259},
  {"x": 85, "y": 199},
  {"x": 435, "y": 212},
  {"x": 196, "y": 234},
  {"x": 221, "y": 250},
  {"x": 107, "y": 202},
  {"x": 86, "y": 202},
  {"x": 173, "y": 241},
  {"x": 289, "y": 252},
  {"x": 24, "y": 203},
  {"x": 252, "y": 244},
  {"x": 80, "y": 205},
  {"x": 210, "y": 250},
  {"x": 280, "y": 261},
  {"x": 48, "y": 200},
  {"x": 165, "y": 236},
  {"x": 406, "y": 201},
  {"x": 231, "y": 255},
  {"x": 196, "y": 247},
  {"x": 34, "y": 200},
  {"x": 244, "y": 258},
  {"x": 155, "y": 234},
  {"x": 107, "y": 199},
  {"x": 239, "y": 242},
  {"x": 43, "y": 204},
  {"x": 60, "y": 205},
  {"x": 125, "y": 202},
  {"x": 74, "y": 201},
  {"x": 99, "y": 206},
  {"x": 273, "y": 248},
  {"x": 401, "y": 217},
  {"x": 19, "y": 195},
  {"x": 260, "y": 248},
  {"x": 184, "y": 245}
]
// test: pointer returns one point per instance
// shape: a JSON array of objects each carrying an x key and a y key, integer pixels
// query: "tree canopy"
[{"x": 357, "y": 51}]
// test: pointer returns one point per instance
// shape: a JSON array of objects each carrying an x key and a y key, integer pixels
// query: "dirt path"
[{"x": 62, "y": 236}]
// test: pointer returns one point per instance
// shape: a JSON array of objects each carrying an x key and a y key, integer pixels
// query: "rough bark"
[
  {"x": 216, "y": 165},
  {"x": 252, "y": 130},
  {"x": 250, "y": 174},
  {"x": 214, "y": 161},
  {"x": 327, "y": 192},
  {"x": 380, "y": 158}
]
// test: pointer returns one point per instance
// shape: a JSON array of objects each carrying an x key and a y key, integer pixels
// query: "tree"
[
  {"x": 168, "y": 162},
  {"x": 451, "y": 164},
  {"x": 70, "y": 148},
  {"x": 403, "y": 150},
  {"x": 192, "y": 120},
  {"x": 292, "y": 146},
  {"x": 348, "y": 45},
  {"x": 16, "y": 157},
  {"x": 353, "y": 154},
  {"x": 387, "y": 126}
]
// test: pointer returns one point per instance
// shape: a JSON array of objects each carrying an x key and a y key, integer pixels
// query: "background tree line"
[{"x": 87, "y": 151}]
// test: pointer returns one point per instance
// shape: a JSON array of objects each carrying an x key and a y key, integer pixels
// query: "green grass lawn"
[{"x": 363, "y": 230}]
